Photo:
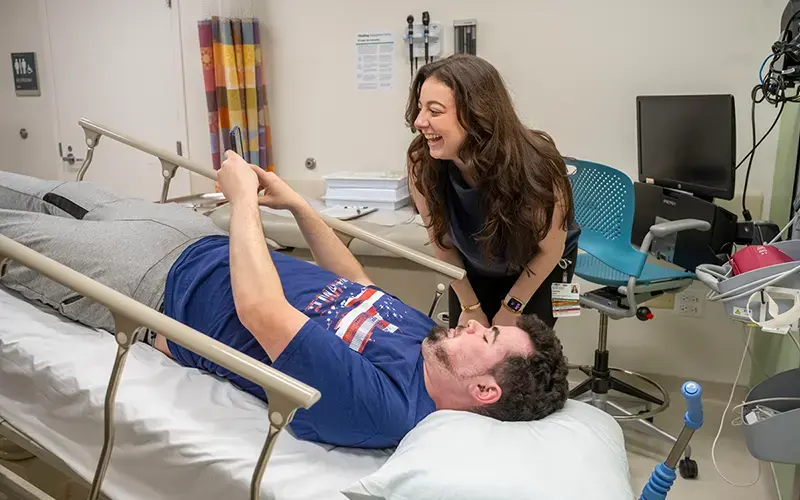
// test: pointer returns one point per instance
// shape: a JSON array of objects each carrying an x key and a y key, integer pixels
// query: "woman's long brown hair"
[{"x": 519, "y": 171}]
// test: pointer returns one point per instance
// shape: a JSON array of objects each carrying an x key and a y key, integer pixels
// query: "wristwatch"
[{"x": 513, "y": 304}]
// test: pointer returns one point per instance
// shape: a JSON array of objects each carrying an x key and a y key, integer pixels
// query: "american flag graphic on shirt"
[
  {"x": 328, "y": 295},
  {"x": 354, "y": 316}
]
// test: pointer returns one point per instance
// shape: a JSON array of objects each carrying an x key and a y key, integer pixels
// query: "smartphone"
[{"x": 236, "y": 141}]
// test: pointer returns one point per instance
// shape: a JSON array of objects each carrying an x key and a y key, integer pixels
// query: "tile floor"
[{"x": 644, "y": 452}]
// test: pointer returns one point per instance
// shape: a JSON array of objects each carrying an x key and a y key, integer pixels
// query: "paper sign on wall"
[{"x": 374, "y": 61}]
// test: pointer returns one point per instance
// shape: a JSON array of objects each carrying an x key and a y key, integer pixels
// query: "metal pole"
[
  {"x": 603, "y": 340},
  {"x": 86, "y": 162},
  {"x": 281, "y": 412},
  {"x": 168, "y": 172},
  {"x": 680, "y": 445},
  {"x": 125, "y": 337}
]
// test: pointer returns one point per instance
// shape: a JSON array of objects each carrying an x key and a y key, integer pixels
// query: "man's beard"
[{"x": 434, "y": 341}]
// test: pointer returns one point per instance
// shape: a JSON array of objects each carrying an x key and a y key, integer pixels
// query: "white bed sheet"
[{"x": 179, "y": 433}]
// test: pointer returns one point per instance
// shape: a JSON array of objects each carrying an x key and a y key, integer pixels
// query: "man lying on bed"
[{"x": 380, "y": 365}]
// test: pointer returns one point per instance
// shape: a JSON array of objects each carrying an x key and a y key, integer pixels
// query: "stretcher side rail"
[
  {"x": 285, "y": 394},
  {"x": 171, "y": 161}
]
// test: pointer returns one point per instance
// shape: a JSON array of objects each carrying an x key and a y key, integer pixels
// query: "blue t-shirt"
[{"x": 360, "y": 348}]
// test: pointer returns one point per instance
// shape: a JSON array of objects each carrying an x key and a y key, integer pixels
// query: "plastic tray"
[
  {"x": 383, "y": 205},
  {"x": 372, "y": 194},
  {"x": 367, "y": 180},
  {"x": 737, "y": 308},
  {"x": 777, "y": 438}
]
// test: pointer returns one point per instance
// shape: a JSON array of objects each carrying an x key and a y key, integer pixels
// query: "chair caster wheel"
[{"x": 688, "y": 468}]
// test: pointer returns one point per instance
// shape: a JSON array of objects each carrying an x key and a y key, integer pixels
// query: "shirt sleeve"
[{"x": 359, "y": 406}]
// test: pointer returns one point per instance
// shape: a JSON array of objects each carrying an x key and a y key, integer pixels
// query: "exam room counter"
[{"x": 412, "y": 283}]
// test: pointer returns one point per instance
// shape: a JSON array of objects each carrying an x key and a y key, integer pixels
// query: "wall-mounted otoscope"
[
  {"x": 426, "y": 21},
  {"x": 424, "y": 40},
  {"x": 410, "y": 21}
]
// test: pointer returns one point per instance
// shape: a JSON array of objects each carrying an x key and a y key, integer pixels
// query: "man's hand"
[
  {"x": 277, "y": 194},
  {"x": 237, "y": 179}
]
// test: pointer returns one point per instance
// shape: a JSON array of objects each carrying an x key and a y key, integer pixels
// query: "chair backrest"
[
  {"x": 604, "y": 209},
  {"x": 604, "y": 200}
]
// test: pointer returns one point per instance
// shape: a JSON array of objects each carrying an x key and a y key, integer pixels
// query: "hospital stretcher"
[{"x": 146, "y": 427}]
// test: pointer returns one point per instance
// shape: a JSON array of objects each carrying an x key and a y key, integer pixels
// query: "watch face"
[{"x": 514, "y": 304}]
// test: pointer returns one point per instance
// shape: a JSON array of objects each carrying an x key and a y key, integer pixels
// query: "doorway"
[
  {"x": 118, "y": 63},
  {"x": 27, "y": 131}
]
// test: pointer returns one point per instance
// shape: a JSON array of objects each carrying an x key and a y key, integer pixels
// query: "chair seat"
[{"x": 593, "y": 270}]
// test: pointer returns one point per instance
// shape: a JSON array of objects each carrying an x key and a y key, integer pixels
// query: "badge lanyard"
[{"x": 565, "y": 296}]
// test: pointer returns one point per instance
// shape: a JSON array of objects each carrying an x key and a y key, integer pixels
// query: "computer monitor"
[{"x": 688, "y": 142}]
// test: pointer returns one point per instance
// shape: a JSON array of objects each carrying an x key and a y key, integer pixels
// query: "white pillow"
[{"x": 573, "y": 454}]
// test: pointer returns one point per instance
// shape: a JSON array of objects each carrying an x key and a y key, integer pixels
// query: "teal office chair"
[{"x": 604, "y": 210}]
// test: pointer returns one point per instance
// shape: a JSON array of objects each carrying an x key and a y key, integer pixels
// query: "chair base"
[
  {"x": 595, "y": 391},
  {"x": 601, "y": 382}
]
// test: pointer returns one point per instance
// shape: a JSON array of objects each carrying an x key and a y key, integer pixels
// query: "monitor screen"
[{"x": 688, "y": 142}]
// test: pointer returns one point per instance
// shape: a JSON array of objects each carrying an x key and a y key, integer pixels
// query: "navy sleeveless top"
[{"x": 466, "y": 216}]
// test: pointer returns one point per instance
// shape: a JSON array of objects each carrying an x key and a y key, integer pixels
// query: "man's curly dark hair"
[{"x": 533, "y": 386}]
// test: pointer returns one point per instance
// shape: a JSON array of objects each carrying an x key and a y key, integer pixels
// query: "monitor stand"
[
  {"x": 706, "y": 198},
  {"x": 655, "y": 204}
]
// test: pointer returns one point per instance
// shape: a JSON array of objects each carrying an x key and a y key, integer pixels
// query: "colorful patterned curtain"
[{"x": 235, "y": 92}]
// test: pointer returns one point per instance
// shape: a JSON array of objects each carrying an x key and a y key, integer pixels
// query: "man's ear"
[{"x": 485, "y": 390}]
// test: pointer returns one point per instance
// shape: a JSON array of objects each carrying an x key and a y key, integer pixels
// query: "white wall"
[
  {"x": 19, "y": 32},
  {"x": 574, "y": 68}
]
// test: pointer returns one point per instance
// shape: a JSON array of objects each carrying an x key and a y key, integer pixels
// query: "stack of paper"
[{"x": 387, "y": 190}]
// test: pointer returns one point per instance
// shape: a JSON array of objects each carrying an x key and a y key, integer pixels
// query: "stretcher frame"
[{"x": 285, "y": 394}]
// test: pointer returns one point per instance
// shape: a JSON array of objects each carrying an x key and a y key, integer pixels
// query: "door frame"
[{"x": 47, "y": 82}]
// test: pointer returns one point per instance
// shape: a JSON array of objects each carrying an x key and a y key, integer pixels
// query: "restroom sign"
[{"x": 26, "y": 75}]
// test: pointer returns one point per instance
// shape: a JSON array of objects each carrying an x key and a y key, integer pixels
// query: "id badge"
[{"x": 566, "y": 299}]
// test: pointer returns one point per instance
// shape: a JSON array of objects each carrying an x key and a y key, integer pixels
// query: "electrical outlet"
[{"x": 689, "y": 303}]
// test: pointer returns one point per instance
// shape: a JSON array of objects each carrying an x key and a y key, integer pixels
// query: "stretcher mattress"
[{"x": 179, "y": 433}]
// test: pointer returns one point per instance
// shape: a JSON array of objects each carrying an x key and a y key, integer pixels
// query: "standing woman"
[{"x": 493, "y": 194}]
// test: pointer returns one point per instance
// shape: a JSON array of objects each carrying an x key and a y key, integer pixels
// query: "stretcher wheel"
[{"x": 688, "y": 468}]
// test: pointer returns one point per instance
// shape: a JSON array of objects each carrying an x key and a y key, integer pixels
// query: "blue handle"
[
  {"x": 694, "y": 413},
  {"x": 660, "y": 483},
  {"x": 663, "y": 477}
]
